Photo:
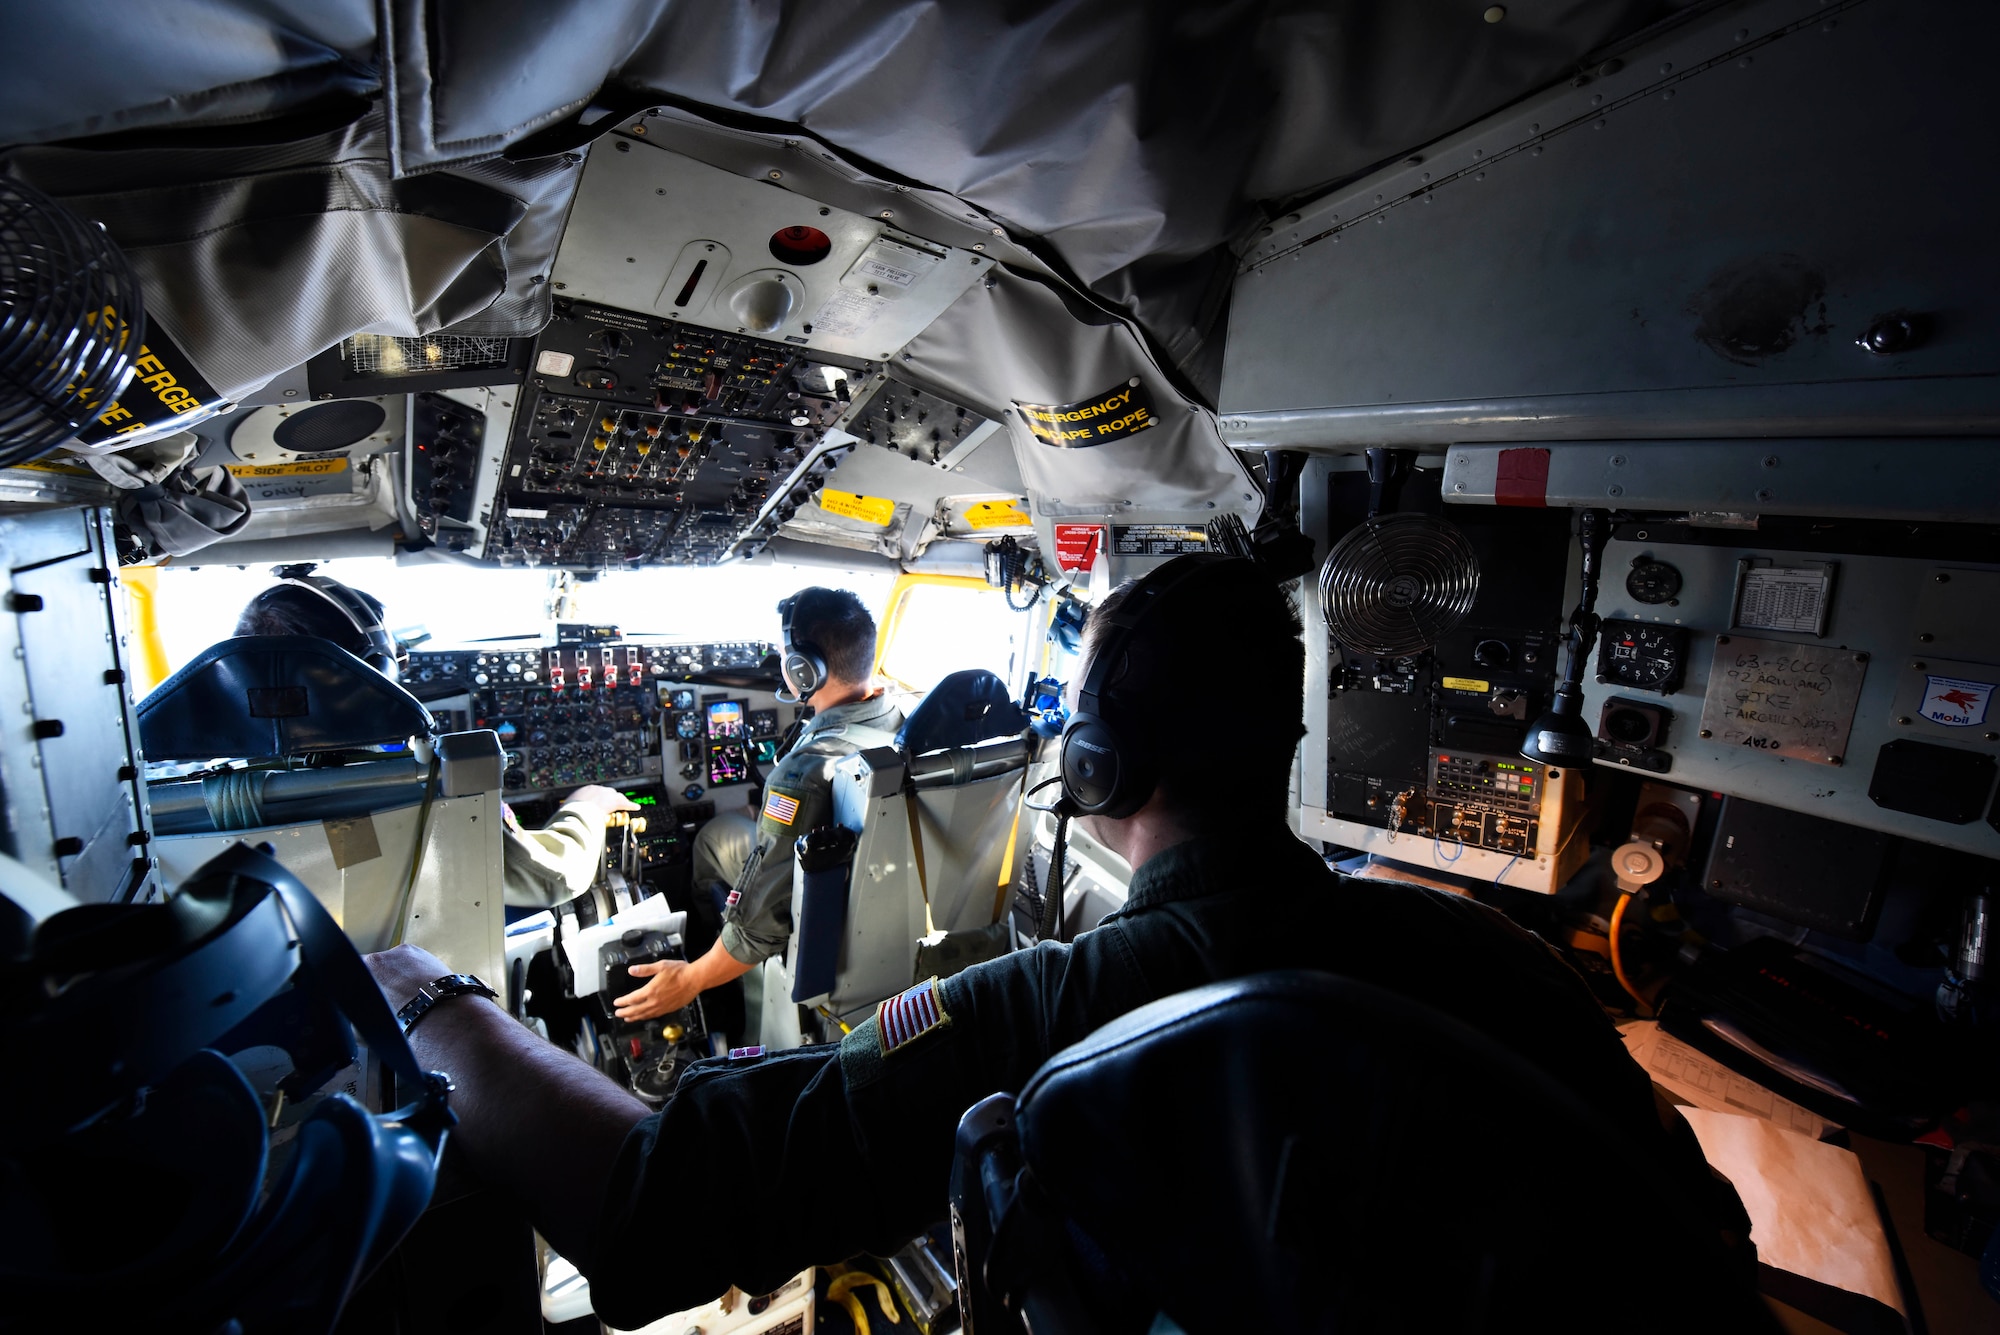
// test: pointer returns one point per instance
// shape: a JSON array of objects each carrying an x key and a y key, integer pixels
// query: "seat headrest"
[
  {"x": 256, "y": 696},
  {"x": 964, "y": 709}
]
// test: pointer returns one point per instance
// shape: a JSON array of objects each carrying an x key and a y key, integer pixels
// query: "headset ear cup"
[{"x": 1093, "y": 773}]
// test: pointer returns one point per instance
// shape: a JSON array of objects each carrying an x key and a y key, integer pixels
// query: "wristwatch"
[{"x": 431, "y": 993}]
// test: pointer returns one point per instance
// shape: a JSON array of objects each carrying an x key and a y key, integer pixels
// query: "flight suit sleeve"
[
  {"x": 757, "y": 922},
  {"x": 554, "y": 864},
  {"x": 810, "y": 1156}
]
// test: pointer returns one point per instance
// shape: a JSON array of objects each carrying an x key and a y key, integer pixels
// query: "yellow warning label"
[
  {"x": 67, "y": 470},
  {"x": 996, "y": 514},
  {"x": 303, "y": 468},
  {"x": 868, "y": 509},
  {"x": 1467, "y": 684}
]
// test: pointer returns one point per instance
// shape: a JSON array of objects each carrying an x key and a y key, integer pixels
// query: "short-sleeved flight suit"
[{"x": 798, "y": 797}]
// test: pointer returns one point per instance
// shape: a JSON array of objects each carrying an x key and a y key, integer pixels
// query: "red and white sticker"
[
  {"x": 1953, "y": 702},
  {"x": 1077, "y": 545}
]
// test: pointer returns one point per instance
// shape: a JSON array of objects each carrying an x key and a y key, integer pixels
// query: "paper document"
[
  {"x": 1707, "y": 1083},
  {"x": 1811, "y": 1211}
]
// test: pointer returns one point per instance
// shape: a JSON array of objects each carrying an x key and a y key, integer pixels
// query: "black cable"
[{"x": 1052, "y": 895}]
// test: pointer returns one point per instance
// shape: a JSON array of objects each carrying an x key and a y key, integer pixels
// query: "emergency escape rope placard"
[{"x": 1121, "y": 411}]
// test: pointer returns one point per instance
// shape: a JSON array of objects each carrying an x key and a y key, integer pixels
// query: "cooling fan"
[
  {"x": 1396, "y": 583},
  {"x": 70, "y": 309}
]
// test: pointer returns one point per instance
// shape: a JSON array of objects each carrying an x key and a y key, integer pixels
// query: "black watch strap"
[{"x": 431, "y": 993}]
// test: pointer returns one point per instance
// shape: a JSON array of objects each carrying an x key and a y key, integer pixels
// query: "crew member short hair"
[
  {"x": 286, "y": 609},
  {"x": 1226, "y": 736},
  {"x": 837, "y": 624}
]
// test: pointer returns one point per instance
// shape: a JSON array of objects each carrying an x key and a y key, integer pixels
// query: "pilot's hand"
[
  {"x": 601, "y": 799},
  {"x": 401, "y": 971},
  {"x": 669, "y": 986}
]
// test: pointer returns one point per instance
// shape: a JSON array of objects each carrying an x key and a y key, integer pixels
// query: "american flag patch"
[
  {"x": 905, "y": 1018},
  {"x": 782, "y": 808}
]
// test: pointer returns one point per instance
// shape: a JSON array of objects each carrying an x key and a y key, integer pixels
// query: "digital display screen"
[
  {"x": 727, "y": 764},
  {"x": 725, "y": 718},
  {"x": 640, "y": 797}
]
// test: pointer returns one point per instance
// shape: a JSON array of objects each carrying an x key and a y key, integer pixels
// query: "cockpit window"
[
  {"x": 934, "y": 629},
  {"x": 198, "y": 605}
]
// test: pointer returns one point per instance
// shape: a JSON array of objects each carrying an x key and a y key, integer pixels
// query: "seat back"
[
  {"x": 1296, "y": 1151},
  {"x": 256, "y": 696},
  {"x": 963, "y": 790}
]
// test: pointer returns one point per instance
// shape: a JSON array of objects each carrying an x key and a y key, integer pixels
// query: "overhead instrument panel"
[
  {"x": 649, "y": 441},
  {"x": 656, "y": 232}
]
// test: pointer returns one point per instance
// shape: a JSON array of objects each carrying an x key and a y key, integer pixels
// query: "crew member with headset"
[
  {"x": 829, "y": 663},
  {"x": 853, "y": 1142},
  {"x": 543, "y": 867}
]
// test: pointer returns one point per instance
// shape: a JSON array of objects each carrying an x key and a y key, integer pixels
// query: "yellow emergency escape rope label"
[
  {"x": 877, "y": 510},
  {"x": 303, "y": 468},
  {"x": 1467, "y": 684}
]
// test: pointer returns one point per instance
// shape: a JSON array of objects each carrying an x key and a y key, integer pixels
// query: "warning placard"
[
  {"x": 1118, "y": 412},
  {"x": 996, "y": 514},
  {"x": 1077, "y": 544},
  {"x": 878, "y": 510},
  {"x": 1157, "y": 540},
  {"x": 300, "y": 468}
]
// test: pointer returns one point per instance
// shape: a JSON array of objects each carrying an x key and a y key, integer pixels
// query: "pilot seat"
[
  {"x": 907, "y": 882},
  {"x": 297, "y": 743}
]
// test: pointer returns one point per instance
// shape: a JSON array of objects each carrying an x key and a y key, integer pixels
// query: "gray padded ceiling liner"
[{"x": 1133, "y": 139}]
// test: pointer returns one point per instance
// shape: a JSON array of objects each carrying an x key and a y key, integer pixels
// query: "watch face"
[
  {"x": 1652, "y": 658},
  {"x": 1653, "y": 582}
]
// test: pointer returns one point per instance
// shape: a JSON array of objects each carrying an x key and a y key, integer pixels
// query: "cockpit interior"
[{"x": 1602, "y": 383}]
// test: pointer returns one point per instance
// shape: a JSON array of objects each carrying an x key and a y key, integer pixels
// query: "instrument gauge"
[
  {"x": 687, "y": 726},
  {"x": 1648, "y": 658},
  {"x": 1653, "y": 582}
]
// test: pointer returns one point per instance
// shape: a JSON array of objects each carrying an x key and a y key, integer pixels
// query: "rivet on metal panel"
[
  {"x": 1924, "y": 638},
  {"x": 1536, "y": 128},
  {"x": 1919, "y": 667},
  {"x": 1597, "y": 99},
  {"x": 1770, "y": 461},
  {"x": 1744, "y": 63},
  {"x": 1478, "y": 152},
  {"x": 886, "y": 213},
  {"x": 1764, "y": 494},
  {"x": 1479, "y": 176},
  {"x": 1617, "y": 461},
  {"x": 638, "y": 129},
  {"x": 1903, "y": 719},
  {"x": 1378, "y": 198},
  {"x": 1614, "y": 490},
  {"x": 1535, "y": 152},
  {"x": 1640, "y": 535},
  {"x": 1993, "y": 736},
  {"x": 1706, "y": 733},
  {"x": 1667, "y": 67},
  {"x": 1835, "y": 760},
  {"x": 1861, "y": 658},
  {"x": 1941, "y": 578},
  {"x": 1667, "y": 95},
  {"x": 1597, "y": 125},
  {"x": 1458, "y": 486},
  {"x": 1742, "y": 34}
]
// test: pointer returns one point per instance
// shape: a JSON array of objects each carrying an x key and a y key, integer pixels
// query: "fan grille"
[
  {"x": 61, "y": 363},
  {"x": 1397, "y": 583}
]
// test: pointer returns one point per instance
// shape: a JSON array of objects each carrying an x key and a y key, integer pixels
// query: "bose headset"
[
  {"x": 384, "y": 654},
  {"x": 803, "y": 666}
]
